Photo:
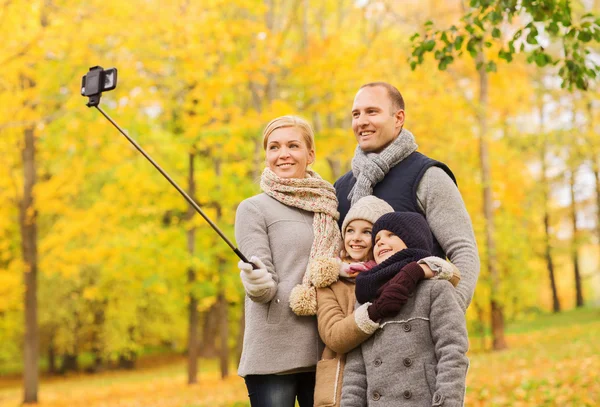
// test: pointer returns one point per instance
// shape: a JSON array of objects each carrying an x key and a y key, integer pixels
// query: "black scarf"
[{"x": 368, "y": 282}]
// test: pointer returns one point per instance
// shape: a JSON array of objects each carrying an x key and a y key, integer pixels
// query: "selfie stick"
[{"x": 181, "y": 191}]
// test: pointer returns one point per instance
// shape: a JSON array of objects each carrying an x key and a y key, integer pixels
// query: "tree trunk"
[
  {"x": 192, "y": 359},
  {"x": 574, "y": 242},
  {"x": 335, "y": 166},
  {"x": 546, "y": 198},
  {"x": 210, "y": 330},
  {"x": 52, "y": 368},
  {"x": 240, "y": 339},
  {"x": 597, "y": 178},
  {"x": 28, "y": 227},
  {"x": 223, "y": 329},
  {"x": 497, "y": 316},
  {"x": 69, "y": 363},
  {"x": 221, "y": 300},
  {"x": 595, "y": 159}
]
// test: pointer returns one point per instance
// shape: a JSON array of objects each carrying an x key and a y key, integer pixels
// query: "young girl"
[
  {"x": 340, "y": 329},
  {"x": 418, "y": 357}
]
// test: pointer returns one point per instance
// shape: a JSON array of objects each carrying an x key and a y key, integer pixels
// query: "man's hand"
[{"x": 255, "y": 281}]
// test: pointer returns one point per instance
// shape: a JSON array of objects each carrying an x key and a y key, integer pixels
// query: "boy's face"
[
  {"x": 357, "y": 240},
  {"x": 386, "y": 244}
]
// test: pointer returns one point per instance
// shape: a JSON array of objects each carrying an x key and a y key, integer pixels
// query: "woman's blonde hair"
[{"x": 290, "y": 121}]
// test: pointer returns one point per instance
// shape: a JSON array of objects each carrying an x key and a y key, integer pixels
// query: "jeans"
[{"x": 281, "y": 390}]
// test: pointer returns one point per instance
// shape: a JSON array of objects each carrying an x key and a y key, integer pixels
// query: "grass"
[{"x": 553, "y": 360}]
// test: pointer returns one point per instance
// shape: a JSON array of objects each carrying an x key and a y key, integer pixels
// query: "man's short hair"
[{"x": 393, "y": 93}]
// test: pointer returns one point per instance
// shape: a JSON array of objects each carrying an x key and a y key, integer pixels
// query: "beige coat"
[{"x": 341, "y": 330}]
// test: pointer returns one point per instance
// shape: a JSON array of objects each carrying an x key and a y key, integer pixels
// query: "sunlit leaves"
[{"x": 484, "y": 24}]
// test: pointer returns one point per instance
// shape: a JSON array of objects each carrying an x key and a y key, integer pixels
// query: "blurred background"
[{"x": 113, "y": 292}]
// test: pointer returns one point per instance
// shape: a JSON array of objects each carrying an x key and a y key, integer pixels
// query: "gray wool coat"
[
  {"x": 417, "y": 358},
  {"x": 276, "y": 340}
]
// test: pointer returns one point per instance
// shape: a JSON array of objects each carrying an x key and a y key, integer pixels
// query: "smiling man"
[{"x": 387, "y": 165}]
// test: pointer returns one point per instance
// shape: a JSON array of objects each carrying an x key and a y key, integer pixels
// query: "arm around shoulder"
[{"x": 443, "y": 206}]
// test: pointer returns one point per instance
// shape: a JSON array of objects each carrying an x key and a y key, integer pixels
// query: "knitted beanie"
[
  {"x": 369, "y": 208},
  {"x": 411, "y": 227}
]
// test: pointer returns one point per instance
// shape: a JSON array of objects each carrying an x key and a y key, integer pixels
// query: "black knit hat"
[{"x": 411, "y": 227}]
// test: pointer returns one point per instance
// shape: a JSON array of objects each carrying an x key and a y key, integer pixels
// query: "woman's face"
[
  {"x": 357, "y": 240},
  {"x": 287, "y": 153}
]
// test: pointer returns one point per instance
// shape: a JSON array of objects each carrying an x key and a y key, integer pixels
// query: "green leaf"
[
  {"x": 414, "y": 36},
  {"x": 429, "y": 45},
  {"x": 532, "y": 37},
  {"x": 496, "y": 33},
  {"x": 553, "y": 28},
  {"x": 541, "y": 59},
  {"x": 458, "y": 42},
  {"x": 491, "y": 66},
  {"x": 507, "y": 56},
  {"x": 472, "y": 47},
  {"x": 585, "y": 36},
  {"x": 418, "y": 51}
]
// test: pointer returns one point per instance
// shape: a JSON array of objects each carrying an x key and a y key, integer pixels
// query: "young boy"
[{"x": 418, "y": 357}]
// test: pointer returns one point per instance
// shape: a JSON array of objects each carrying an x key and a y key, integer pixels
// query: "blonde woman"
[{"x": 281, "y": 230}]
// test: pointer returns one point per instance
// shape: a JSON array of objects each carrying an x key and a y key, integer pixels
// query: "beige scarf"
[{"x": 316, "y": 195}]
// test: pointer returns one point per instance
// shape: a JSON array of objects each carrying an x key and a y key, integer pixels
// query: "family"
[{"x": 357, "y": 291}]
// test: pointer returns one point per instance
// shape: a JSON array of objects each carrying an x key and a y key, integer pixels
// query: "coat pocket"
[
  {"x": 430, "y": 376},
  {"x": 326, "y": 387}
]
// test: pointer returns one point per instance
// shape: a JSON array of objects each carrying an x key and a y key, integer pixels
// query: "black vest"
[{"x": 398, "y": 188}]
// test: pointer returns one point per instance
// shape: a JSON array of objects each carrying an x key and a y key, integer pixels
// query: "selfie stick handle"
[{"x": 181, "y": 191}]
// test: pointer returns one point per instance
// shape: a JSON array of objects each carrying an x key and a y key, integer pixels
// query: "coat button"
[
  {"x": 406, "y": 327},
  {"x": 437, "y": 398},
  {"x": 377, "y": 362},
  {"x": 376, "y": 396},
  {"x": 277, "y": 300},
  {"x": 407, "y": 394},
  {"x": 407, "y": 362}
]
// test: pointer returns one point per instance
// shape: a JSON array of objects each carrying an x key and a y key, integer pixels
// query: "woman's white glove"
[{"x": 255, "y": 281}]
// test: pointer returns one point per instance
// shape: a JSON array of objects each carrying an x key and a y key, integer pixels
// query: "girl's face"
[
  {"x": 287, "y": 153},
  {"x": 357, "y": 240},
  {"x": 386, "y": 244}
]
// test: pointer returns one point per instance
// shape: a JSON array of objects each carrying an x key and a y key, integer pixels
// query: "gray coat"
[
  {"x": 417, "y": 358},
  {"x": 275, "y": 339}
]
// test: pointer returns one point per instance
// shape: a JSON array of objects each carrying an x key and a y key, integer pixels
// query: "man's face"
[{"x": 374, "y": 121}]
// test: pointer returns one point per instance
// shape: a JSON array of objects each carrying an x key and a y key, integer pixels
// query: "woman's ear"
[{"x": 311, "y": 157}]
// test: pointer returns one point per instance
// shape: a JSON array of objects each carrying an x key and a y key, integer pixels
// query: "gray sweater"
[
  {"x": 275, "y": 339},
  {"x": 446, "y": 214},
  {"x": 417, "y": 358}
]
